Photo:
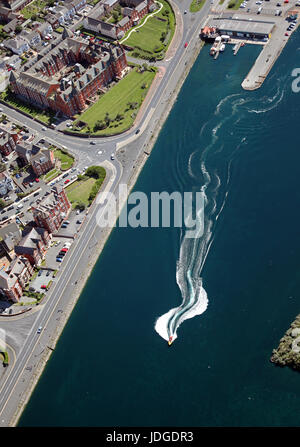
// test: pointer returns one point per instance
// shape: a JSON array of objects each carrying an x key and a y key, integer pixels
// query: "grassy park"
[
  {"x": 116, "y": 110},
  {"x": 66, "y": 160},
  {"x": 84, "y": 190},
  {"x": 42, "y": 115},
  {"x": 196, "y": 5},
  {"x": 79, "y": 191},
  {"x": 153, "y": 38}
]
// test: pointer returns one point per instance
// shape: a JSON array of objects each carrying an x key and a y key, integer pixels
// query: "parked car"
[
  {"x": 92, "y": 142},
  {"x": 31, "y": 289},
  {"x": 64, "y": 226},
  {"x": 48, "y": 273},
  {"x": 37, "y": 180},
  {"x": 66, "y": 181},
  {"x": 64, "y": 250},
  {"x": 58, "y": 259},
  {"x": 40, "y": 272}
]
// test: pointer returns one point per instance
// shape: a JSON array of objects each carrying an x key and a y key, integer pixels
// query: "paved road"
[{"x": 17, "y": 381}]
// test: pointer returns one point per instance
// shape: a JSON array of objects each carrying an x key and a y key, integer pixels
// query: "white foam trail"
[{"x": 193, "y": 252}]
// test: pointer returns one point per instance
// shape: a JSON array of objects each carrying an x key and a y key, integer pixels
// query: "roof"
[
  {"x": 141, "y": 6},
  {"x": 16, "y": 43},
  {"x": 29, "y": 240},
  {"x": 123, "y": 21},
  {"x": 243, "y": 26},
  {"x": 11, "y": 229}
]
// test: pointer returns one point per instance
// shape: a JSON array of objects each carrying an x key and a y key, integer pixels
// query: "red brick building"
[
  {"x": 52, "y": 210},
  {"x": 43, "y": 161},
  {"x": 69, "y": 74},
  {"x": 8, "y": 139},
  {"x": 15, "y": 278},
  {"x": 33, "y": 245}
]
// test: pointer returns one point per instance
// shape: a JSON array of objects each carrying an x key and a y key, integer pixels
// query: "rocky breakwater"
[{"x": 288, "y": 351}]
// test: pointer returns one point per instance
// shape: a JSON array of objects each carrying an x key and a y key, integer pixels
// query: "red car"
[
  {"x": 67, "y": 181},
  {"x": 37, "y": 180},
  {"x": 185, "y": 45},
  {"x": 64, "y": 250},
  {"x": 43, "y": 286},
  {"x": 286, "y": 34},
  {"x": 286, "y": 1}
]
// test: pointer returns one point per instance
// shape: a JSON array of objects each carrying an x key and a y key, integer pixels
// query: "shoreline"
[{"x": 137, "y": 169}]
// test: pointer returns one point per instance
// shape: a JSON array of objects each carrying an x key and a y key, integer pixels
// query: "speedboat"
[{"x": 170, "y": 341}]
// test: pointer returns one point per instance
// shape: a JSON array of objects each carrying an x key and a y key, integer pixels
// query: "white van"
[
  {"x": 20, "y": 206},
  {"x": 259, "y": 10}
]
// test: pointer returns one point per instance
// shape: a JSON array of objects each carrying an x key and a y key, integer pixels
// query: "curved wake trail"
[{"x": 193, "y": 251}]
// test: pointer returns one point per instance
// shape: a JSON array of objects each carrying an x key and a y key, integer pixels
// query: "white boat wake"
[{"x": 194, "y": 251}]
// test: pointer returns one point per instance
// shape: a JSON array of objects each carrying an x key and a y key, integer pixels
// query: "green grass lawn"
[
  {"x": 33, "y": 8},
  {"x": 196, "y": 5},
  {"x": 44, "y": 116},
  {"x": 51, "y": 175},
  {"x": 149, "y": 37},
  {"x": 234, "y": 4},
  {"x": 115, "y": 101},
  {"x": 79, "y": 191},
  {"x": 66, "y": 160}
]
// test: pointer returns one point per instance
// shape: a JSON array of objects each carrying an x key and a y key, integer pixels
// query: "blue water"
[{"x": 110, "y": 367}]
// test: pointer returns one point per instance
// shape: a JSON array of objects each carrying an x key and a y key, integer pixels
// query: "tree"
[
  {"x": 119, "y": 117},
  {"x": 115, "y": 15},
  {"x": 145, "y": 67},
  {"x": 99, "y": 125},
  {"x": 18, "y": 29},
  {"x": 107, "y": 119},
  {"x": 80, "y": 206},
  {"x": 2, "y": 203}
]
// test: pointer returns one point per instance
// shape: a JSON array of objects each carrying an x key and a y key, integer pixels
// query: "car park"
[{"x": 79, "y": 221}]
